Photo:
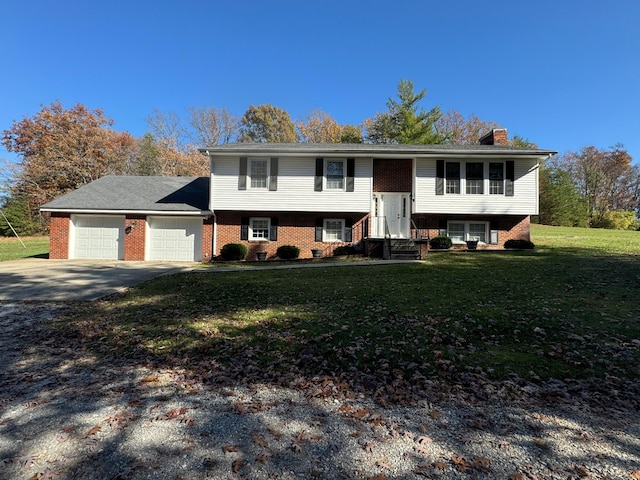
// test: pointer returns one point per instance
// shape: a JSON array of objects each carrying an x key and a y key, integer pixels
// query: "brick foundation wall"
[
  {"x": 59, "y": 236},
  {"x": 135, "y": 227},
  {"x": 296, "y": 229},
  {"x": 508, "y": 226},
  {"x": 392, "y": 175}
]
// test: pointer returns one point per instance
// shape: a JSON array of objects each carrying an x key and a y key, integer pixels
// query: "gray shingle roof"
[
  {"x": 370, "y": 149},
  {"x": 143, "y": 194}
]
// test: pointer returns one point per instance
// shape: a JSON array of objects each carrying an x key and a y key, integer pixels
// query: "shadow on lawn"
[{"x": 293, "y": 374}]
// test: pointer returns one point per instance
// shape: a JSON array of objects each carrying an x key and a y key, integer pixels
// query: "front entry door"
[{"x": 396, "y": 210}]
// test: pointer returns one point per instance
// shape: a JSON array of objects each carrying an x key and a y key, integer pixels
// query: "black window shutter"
[
  {"x": 494, "y": 226},
  {"x": 242, "y": 175},
  {"x": 273, "y": 175},
  {"x": 348, "y": 230},
  {"x": 319, "y": 227},
  {"x": 273, "y": 232},
  {"x": 319, "y": 174},
  {"x": 439, "y": 177},
  {"x": 442, "y": 226},
  {"x": 244, "y": 228},
  {"x": 351, "y": 167},
  {"x": 510, "y": 178}
]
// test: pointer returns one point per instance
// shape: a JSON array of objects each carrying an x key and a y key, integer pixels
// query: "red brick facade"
[
  {"x": 392, "y": 175},
  {"x": 134, "y": 237},
  {"x": 508, "y": 227},
  {"x": 296, "y": 229},
  {"x": 207, "y": 239},
  {"x": 135, "y": 229},
  {"x": 59, "y": 236}
]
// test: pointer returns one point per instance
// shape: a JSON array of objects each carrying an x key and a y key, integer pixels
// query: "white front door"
[{"x": 396, "y": 210}]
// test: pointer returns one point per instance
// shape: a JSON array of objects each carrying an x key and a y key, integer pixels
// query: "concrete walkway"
[{"x": 38, "y": 279}]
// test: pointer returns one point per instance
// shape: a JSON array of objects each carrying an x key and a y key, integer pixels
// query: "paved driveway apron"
[{"x": 37, "y": 279}]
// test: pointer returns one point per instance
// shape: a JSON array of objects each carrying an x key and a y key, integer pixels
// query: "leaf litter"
[{"x": 96, "y": 418}]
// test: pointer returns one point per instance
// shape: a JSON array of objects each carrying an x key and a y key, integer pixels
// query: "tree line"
[{"x": 60, "y": 150}]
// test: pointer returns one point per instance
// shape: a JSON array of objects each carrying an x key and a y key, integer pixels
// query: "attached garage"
[
  {"x": 98, "y": 237},
  {"x": 133, "y": 218},
  {"x": 175, "y": 239}
]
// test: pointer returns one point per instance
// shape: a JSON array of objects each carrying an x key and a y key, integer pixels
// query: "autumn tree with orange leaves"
[{"x": 60, "y": 150}]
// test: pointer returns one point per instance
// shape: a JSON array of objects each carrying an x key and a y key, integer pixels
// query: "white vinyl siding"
[
  {"x": 524, "y": 201},
  {"x": 296, "y": 178}
]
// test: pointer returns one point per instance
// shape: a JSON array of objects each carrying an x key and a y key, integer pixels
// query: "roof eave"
[
  {"x": 387, "y": 151},
  {"x": 95, "y": 211}
]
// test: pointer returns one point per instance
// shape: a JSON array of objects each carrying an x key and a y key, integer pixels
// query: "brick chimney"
[{"x": 497, "y": 136}]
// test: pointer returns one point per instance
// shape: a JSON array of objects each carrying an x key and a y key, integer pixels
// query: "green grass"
[
  {"x": 566, "y": 310},
  {"x": 12, "y": 249},
  {"x": 601, "y": 241}
]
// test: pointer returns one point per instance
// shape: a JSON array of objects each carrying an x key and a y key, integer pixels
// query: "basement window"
[{"x": 460, "y": 232}]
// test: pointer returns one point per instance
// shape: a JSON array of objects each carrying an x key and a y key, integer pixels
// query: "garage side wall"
[{"x": 59, "y": 236}]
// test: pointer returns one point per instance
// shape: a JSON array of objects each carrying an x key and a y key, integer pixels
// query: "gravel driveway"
[{"x": 64, "y": 414}]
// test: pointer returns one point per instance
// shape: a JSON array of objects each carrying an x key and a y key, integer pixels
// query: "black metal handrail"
[{"x": 387, "y": 240}]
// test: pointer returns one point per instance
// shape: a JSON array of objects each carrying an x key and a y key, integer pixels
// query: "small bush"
[
  {"x": 440, "y": 243},
  {"x": 288, "y": 252},
  {"x": 519, "y": 244},
  {"x": 234, "y": 251},
  {"x": 342, "y": 250}
]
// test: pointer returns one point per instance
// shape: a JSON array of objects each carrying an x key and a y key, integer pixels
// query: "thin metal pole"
[{"x": 12, "y": 229}]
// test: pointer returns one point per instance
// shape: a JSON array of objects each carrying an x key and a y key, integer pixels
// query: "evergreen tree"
[
  {"x": 403, "y": 123},
  {"x": 16, "y": 210}
]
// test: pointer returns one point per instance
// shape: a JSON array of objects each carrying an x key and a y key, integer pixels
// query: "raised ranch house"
[{"x": 384, "y": 200}]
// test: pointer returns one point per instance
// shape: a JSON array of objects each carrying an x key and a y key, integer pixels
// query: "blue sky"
[{"x": 564, "y": 74}]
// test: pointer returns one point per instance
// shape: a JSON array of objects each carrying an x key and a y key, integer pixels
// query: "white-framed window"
[
  {"x": 477, "y": 178},
  {"x": 461, "y": 231},
  {"x": 259, "y": 228},
  {"x": 474, "y": 178},
  {"x": 453, "y": 177},
  {"x": 259, "y": 173},
  {"x": 334, "y": 174},
  {"x": 333, "y": 230},
  {"x": 496, "y": 178}
]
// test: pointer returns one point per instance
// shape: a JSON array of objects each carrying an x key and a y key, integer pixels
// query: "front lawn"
[
  {"x": 12, "y": 249},
  {"x": 562, "y": 311}
]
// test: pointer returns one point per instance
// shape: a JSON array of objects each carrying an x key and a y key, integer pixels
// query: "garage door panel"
[
  {"x": 175, "y": 239},
  {"x": 99, "y": 237}
]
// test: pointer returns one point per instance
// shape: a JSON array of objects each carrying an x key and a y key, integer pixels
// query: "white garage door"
[
  {"x": 175, "y": 239},
  {"x": 98, "y": 237}
]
